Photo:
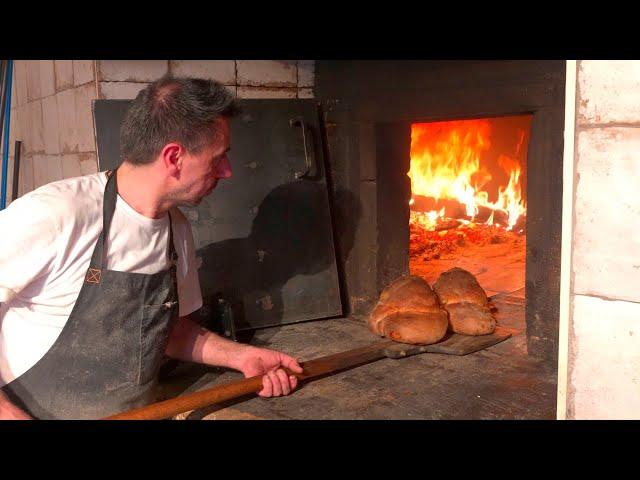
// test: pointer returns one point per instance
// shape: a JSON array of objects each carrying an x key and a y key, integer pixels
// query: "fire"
[
  {"x": 428, "y": 220},
  {"x": 445, "y": 164}
]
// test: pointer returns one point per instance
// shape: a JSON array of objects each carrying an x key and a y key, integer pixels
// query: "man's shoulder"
[
  {"x": 63, "y": 198},
  {"x": 86, "y": 188}
]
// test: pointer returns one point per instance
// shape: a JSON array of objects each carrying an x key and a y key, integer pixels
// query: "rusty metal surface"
[{"x": 265, "y": 236}]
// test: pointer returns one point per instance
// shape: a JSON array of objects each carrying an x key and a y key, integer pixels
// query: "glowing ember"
[{"x": 445, "y": 164}]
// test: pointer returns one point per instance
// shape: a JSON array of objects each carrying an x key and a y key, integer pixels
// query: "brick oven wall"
[
  {"x": 369, "y": 107},
  {"x": 603, "y": 377},
  {"x": 51, "y": 103}
]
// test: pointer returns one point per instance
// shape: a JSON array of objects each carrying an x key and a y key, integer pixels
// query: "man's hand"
[
  {"x": 261, "y": 361},
  {"x": 8, "y": 411},
  {"x": 191, "y": 342}
]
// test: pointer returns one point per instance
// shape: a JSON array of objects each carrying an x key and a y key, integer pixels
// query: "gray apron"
[{"x": 107, "y": 357}]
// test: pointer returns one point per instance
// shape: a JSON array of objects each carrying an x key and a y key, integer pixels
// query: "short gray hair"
[{"x": 174, "y": 109}]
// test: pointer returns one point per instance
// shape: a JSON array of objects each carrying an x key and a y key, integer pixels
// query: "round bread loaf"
[
  {"x": 458, "y": 285},
  {"x": 409, "y": 312},
  {"x": 465, "y": 301},
  {"x": 409, "y": 292},
  {"x": 470, "y": 319},
  {"x": 418, "y": 328}
]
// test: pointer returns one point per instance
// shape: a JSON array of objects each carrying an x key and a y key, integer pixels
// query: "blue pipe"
[{"x": 5, "y": 143}]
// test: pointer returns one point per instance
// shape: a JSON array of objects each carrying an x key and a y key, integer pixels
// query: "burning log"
[
  {"x": 420, "y": 203},
  {"x": 521, "y": 224},
  {"x": 452, "y": 208},
  {"x": 446, "y": 224},
  {"x": 499, "y": 216}
]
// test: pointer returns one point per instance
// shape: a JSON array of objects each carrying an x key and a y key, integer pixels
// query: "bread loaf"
[
  {"x": 465, "y": 301},
  {"x": 408, "y": 311}
]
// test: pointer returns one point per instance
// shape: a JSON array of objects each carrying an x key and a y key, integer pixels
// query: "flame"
[
  {"x": 445, "y": 163},
  {"x": 427, "y": 220}
]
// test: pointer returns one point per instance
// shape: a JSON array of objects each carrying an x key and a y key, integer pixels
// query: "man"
[{"x": 98, "y": 273}]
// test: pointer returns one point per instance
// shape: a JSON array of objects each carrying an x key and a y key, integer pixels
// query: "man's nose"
[{"x": 224, "y": 169}]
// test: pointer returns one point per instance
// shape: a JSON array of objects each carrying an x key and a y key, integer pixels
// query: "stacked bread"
[
  {"x": 466, "y": 303},
  {"x": 409, "y": 311}
]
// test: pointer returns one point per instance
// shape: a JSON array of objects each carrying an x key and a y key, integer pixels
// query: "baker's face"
[{"x": 202, "y": 171}]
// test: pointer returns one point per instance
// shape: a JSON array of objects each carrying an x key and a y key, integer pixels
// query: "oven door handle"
[{"x": 299, "y": 122}]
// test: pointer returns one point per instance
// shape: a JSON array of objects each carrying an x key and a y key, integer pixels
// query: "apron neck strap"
[{"x": 108, "y": 207}]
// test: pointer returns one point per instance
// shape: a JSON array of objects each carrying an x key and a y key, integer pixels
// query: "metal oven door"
[{"x": 263, "y": 237}]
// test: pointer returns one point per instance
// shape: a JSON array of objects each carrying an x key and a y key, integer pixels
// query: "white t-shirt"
[{"x": 47, "y": 238}]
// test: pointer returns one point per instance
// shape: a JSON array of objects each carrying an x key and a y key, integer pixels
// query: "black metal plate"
[{"x": 264, "y": 237}]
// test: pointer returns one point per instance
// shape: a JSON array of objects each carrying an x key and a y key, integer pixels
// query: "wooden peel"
[
  {"x": 453, "y": 344},
  {"x": 238, "y": 388}
]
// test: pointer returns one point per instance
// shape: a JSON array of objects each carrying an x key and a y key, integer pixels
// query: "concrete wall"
[
  {"x": 603, "y": 354},
  {"x": 51, "y": 103}
]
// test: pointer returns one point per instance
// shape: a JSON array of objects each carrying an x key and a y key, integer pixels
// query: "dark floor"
[{"x": 500, "y": 382}]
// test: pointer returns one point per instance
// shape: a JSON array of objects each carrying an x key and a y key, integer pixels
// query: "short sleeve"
[
  {"x": 29, "y": 231},
  {"x": 189, "y": 293}
]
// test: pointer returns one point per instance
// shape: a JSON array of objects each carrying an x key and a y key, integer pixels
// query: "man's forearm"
[{"x": 191, "y": 342}]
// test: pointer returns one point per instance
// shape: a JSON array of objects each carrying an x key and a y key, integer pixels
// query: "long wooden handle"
[{"x": 228, "y": 391}]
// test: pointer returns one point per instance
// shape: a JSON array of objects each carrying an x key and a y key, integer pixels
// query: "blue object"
[{"x": 5, "y": 142}]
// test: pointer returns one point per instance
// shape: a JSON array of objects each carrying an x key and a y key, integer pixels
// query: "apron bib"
[{"x": 107, "y": 357}]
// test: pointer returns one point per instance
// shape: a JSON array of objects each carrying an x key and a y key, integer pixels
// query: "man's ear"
[{"x": 172, "y": 157}]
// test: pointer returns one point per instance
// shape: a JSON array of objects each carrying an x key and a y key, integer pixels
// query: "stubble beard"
[{"x": 181, "y": 199}]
